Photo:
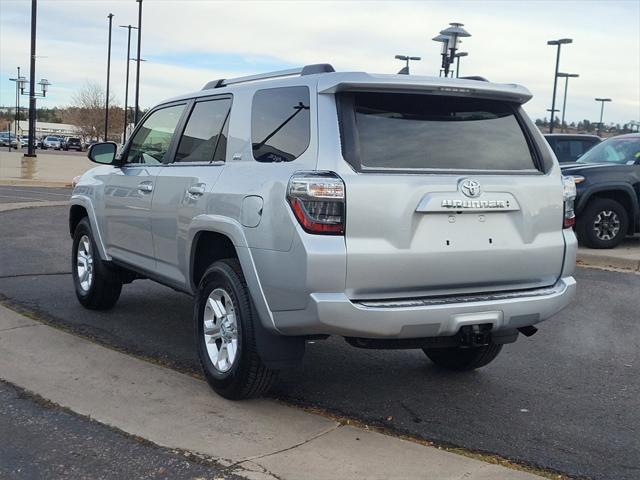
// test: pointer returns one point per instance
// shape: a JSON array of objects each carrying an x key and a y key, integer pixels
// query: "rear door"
[
  {"x": 446, "y": 195},
  {"x": 183, "y": 186}
]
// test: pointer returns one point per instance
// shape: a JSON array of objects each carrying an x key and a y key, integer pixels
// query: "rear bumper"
[{"x": 335, "y": 314}]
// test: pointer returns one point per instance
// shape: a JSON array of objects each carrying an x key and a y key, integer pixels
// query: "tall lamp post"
[
  {"x": 443, "y": 40},
  {"x": 601, "y": 100},
  {"x": 450, "y": 39},
  {"x": 454, "y": 33},
  {"x": 126, "y": 85},
  {"x": 406, "y": 58},
  {"x": 106, "y": 106},
  {"x": 458, "y": 55},
  {"x": 559, "y": 44},
  {"x": 566, "y": 77},
  {"x": 137, "y": 112},
  {"x": 20, "y": 83}
]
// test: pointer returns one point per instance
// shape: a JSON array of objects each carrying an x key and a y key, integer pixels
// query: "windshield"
[{"x": 622, "y": 151}]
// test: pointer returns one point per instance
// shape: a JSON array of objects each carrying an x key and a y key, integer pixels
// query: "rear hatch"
[{"x": 447, "y": 196}]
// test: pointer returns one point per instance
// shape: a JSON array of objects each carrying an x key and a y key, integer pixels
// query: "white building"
[{"x": 46, "y": 128}]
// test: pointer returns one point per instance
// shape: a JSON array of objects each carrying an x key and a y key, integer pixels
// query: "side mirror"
[{"x": 103, "y": 153}]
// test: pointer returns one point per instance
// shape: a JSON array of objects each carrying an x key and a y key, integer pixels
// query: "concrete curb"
[
  {"x": 623, "y": 257},
  {"x": 258, "y": 439},
  {"x": 15, "y": 182},
  {"x": 7, "y": 207}
]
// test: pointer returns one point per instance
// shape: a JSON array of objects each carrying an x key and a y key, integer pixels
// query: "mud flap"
[{"x": 278, "y": 351}]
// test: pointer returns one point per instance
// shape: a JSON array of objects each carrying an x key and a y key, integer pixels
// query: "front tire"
[
  {"x": 224, "y": 334},
  {"x": 462, "y": 359},
  {"x": 602, "y": 224},
  {"x": 97, "y": 287}
]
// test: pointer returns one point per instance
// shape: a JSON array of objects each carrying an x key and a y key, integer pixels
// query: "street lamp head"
[
  {"x": 561, "y": 41},
  {"x": 402, "y": 57},
  {"x": 129, "y": 26},
  {"x": 455, "y": 33},
  {"x": 568, "y": 75},
  {"x": 444, "y": 40},
  {"x": 22, "y": 81},
  {"x": 603, "y": 100},
  {"x": 44, "y": 86},
  {"x": 461, "y": 54}
]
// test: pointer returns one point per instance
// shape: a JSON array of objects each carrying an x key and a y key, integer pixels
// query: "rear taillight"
[
  {"x": 317, "y": 201},
  {"x": 569, "y": 194}
]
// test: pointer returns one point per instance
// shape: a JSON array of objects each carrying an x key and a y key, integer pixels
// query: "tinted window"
[
  {"x": 410, "y": 131},
  {"x": 151, "y": 142},
  {"x": 202, "y": 135},
  {"x": 280, "y": 127},
  {"x": 570, "y": 149}
]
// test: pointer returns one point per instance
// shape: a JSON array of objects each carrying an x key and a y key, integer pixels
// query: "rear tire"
[
  {"x": 462, "y": 359},
  {"x": 224, "y": 319},
  {"x": 97, "y": 287},
  {"x": 602, "y": 224}
]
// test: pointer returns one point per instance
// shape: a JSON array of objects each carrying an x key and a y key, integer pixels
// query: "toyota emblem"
[{"x": 470, "y": 188}]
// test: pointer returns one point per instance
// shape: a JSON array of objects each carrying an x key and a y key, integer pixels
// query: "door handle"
[
  {"x": 145, "y": 187},
  {"x": 196, "y": 190}
]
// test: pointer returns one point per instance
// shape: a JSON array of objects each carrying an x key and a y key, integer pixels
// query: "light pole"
[
  {"x": 601, "y": 100},
  {"x": 32, "y": 84},
  {"x": 406, "y": 58},
  {"x": 453, "y": 35},
  {"x": 106, "y": 106},
  {"x": 458, "y": 55},
  {"x": 126, "y": 85},
  {"x": 566, "y": 77},
  {"x": 559, "y": 44},
  {"x": 20, "y": 83},
  {"x": 137, "y": 112}
]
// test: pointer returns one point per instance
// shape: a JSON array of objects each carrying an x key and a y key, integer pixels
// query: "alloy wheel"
[
  {"x": 84, "y": 263},
  {"x": 606, "y": 225},
  {"x": 221, "y": 330}
]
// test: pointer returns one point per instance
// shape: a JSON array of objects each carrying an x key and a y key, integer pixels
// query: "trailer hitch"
[{"x": 475, "y": 335}]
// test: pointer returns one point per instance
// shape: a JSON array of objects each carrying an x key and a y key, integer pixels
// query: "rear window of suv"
[{"x": 416, "y": 132}]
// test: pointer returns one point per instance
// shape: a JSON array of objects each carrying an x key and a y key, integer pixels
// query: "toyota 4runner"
[{"x": 395, "y": 211}]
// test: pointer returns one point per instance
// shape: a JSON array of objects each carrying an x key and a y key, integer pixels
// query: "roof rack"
[{"x": 302, "y": 71}]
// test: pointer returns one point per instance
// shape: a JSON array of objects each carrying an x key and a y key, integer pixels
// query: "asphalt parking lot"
[{"x": 565, "y": 399}]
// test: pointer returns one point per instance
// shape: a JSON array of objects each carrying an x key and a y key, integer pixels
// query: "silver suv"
[{"x": 395, "y": 211}]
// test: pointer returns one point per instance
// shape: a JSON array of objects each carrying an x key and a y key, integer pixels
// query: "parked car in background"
[
  {"x": 329, "y": 203},
  {"x": 569, "y": 147},
  {"x": 52, "y": 142},
  {"x": 73, "y": 143},
  {"x": 6, "y": 138},
  {"x": 607, "y": 180}
]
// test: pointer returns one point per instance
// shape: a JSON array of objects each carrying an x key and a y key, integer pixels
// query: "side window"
[
  {"x": 203, "y": 139},
  {"x": 151, "y": 142},
  {"x": 280, "y": 124}
]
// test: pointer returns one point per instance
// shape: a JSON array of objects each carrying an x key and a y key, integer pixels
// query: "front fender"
[
  {"x": 589, "y": 191},
  {"x": 234, "y": 231}
]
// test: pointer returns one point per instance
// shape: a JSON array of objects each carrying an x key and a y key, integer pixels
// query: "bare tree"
[{"x": 87, "y": 112}]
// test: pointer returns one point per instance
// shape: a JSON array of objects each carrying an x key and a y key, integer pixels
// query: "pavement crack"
[{"x": 286, "y": 449}]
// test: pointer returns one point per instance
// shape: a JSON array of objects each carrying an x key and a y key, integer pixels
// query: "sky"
[{"x": 187, "y": 43}]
